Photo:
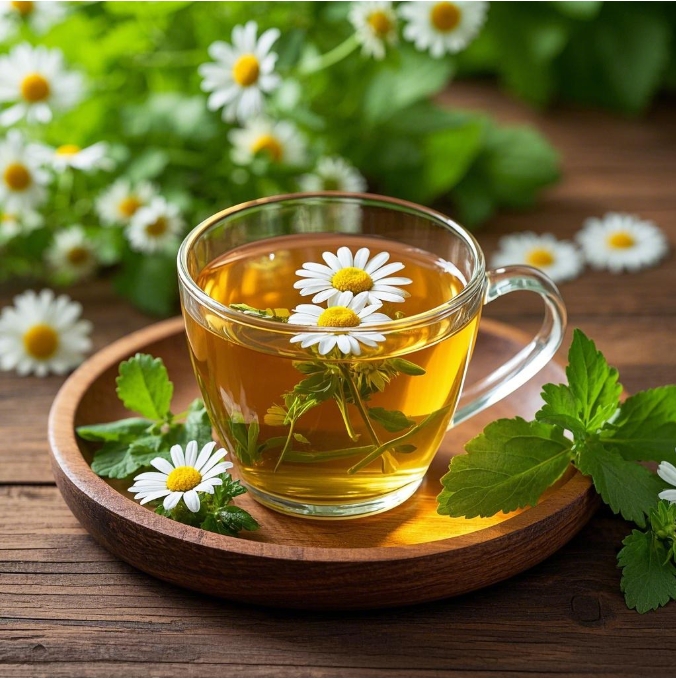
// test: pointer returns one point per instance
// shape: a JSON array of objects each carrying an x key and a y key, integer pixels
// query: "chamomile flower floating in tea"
[
  {"x": 333, "y": 174},
  {"x": 120, "y": 202},
  {"x": 242, "y": 74},
  {"x": 72, "y": 254},
  {"x": 42, "y": 334},
  {"x": 22, "y": 178},
  {"x": 560, "y": 260},
  {"x": 155, "y": 227},
  {"x": 280, "y": 142},
  {"x": 183, "y": 478},
  {"x": 37, "y": 80},
  {"x": 622, "y": 242},
  {"x": 357, "y": 274},
  {"x": 94, "y": 157},
  {"x": 442, "y": 27},
  {"x": 375, "y": 25}
]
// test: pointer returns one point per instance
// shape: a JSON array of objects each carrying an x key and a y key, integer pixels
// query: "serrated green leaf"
[
  {"x": 391, "y": 420},
  {"x": 507, "y": 467},
  {"x": 114, "y": 460},
  {"x": 143, "y": 386},
  {"x": 648, "y": 576},
  {"x": 121, "y": 430},
  {"x": 561, "y": 409}
]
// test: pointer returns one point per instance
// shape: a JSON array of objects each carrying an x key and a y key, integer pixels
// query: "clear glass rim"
[{"x": 474, "y": 285}]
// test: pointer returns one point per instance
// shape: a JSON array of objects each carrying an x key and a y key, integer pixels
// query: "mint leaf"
[
  {"x": 144, "y": 387},
  {"x": 626, "y": 487},
  {"x": 230, "y": 521},
  {"x": 115, "y": 460},
  {"x": 561, "y": 409},
  {"x": 648, "y": 576},
  {"x": 391, "y": 420},
  {"x": 508, "y": 466},
  {"x": 122, "y": 430}
]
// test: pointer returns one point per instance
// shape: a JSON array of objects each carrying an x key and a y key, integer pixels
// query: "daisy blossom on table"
[
  {"x": 41, "y": 334},
  {"x": 442, "y": 27},
  {"x": 15, "y": 223},
  {"x": 560, "y": 260},
  {"x": 350, "y": 316},
  {"x": 333, "y": 174},
  {"x": 155, "y": 226},
  {"x": 94, "y": 157},
  {"x": 22, "y": 178},
  {"x": 72, "y": 254},
  {"x": 375, "y": 25},
  {"x": 358, "y": 274},
  {"x": 242, "y": 73},
  {"x": 183, "y": 478},
  {"x": 667, "y": 472},
  {"x": 37, "y": 80},
  {"x": 279, "y": 141},
  {"x": 40, "y": 16},
  {"x": 622, "y": 242},
  {"x": 120, "y": 202}
]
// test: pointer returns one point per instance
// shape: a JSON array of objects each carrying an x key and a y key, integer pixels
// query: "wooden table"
[{"x": 68, "y": 608}]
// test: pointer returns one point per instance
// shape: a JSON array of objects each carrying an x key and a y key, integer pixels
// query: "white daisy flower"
[
  {"x": 350, "y": 312},
  {"x": 189, "y": 475},
  {"x": 35, "y": 78},
  {"x": 72, "y": 254},
  {"x": 22, "y": 179},
  {"x": 622, "y": 242},
  {"x": 667, "y": 472},
  {"x": 94, "y": 157},
  {"x": 280, "y": 142},
  {"x": 119, "y": 203},
  {"x": 41, "y": 334},
  {"x": 13, "y": 224},
  {"x": 358, "y": 274},
  {"x": 333, "y": 174},
  {"x": 155, "y": 227},
  {"x": 242, "y": 74},
  {"x": 40, "y": 16},
  {"x": 560, "y": 260},
  {"x": 442, "y": 27},
  {"x": 375, "y": 25}
]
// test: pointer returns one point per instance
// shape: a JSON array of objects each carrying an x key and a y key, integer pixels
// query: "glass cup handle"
[{"x": 533, "y": 357}]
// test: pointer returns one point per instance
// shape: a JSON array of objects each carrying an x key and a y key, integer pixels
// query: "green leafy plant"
[{"x": 513, "y": 461}]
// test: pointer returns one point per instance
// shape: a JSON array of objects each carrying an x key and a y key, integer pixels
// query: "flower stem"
[
  {"x": 342, "y": 406},
  {"x": 287, "y": 444},
  {"x": 330, "y": 58},
  {"x": 360, "y": 405}
]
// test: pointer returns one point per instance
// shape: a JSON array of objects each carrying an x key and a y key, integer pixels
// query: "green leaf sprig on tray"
[
  {"x": 514, "y": 461},
  {"x": 131, "y": 444}
]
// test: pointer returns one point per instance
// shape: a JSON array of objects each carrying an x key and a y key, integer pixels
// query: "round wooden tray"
[{"x": 407, "y": 555}]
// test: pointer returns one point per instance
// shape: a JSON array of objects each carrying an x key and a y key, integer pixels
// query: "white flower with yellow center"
[
  {"x": 94, "y": 157},
  {"x": 119, "y": 203},
  {"x": 442, "y": 27},
  {"x": 622, "y": 242},
  {"x": 355, "y": 274},
  {"x": 667, "y": 472},
  {"x": 13, "y": 224},
  {"x": 560, "y": 260},
  {"x": 41, "y": 334},
  {"x": 349, "y": 318},
  {"x": 22, "y": 179},
  {"x": 155, "y": 227},
  {"x": 189, "y": 475},
  {"x": 375, "y": 25},
  {"x": 279, "y": 142},
  {"x": 333, "y": 174},
  {"x": 40, "y": 16},
  {"x": 242, "y": 74},
  {"x": 72, "y": 254},
  {"x": 36, "y": 79}
]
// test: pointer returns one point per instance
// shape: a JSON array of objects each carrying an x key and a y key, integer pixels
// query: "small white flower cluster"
[{"x": 617, "y": 242}]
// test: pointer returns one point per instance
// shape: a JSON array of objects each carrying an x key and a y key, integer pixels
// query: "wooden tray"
[{"x": 407, "y": 555}]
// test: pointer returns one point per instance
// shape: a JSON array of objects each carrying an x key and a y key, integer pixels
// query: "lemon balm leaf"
[
  {"x": 121, "y": 430},
  {"x": 143, "y": 386}
]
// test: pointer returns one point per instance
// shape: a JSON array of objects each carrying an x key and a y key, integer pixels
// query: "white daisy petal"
[
  {"x": 375, "y": 25},
  {"x": 177, "y": 456},
  {"x": 669, "y": 495},
  {"x": 172, "y": 500},
  {"x": 204, "y": 455},
  {"x": 192, "y": 500},
  {"x": 667, "y": 472},
  {"x": 149, "y": 497},
  {"x": 191, "y": 453},
  {"x": 155, "y": 227}
]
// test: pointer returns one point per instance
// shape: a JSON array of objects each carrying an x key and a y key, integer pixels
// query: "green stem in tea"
[
  {"x": 360, "y": 405},
  {"x": 287, "y": 444},
  {"x": 342, "y": 406}
]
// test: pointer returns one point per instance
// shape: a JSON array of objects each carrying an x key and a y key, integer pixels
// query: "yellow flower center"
[
  {"x": 445, "y": 16},
  {"x": 621, "y": 240},
  {"x": 41, "y": 341},
  {"x": 338, "y": 317},
  {"x": 128, "y": 206},
  {"x": 34, "y": 88},
  {"x": 78, "y": 255},
  {"x": 246, "y": 70},
  {"x": 68, "y": 150},
  {"x": 539, "y": 258},
  {"x": 380, "y": 23},
  {"x": 157, "y": 228},
  {"x": 269, "y": 144},
  {"x": 183, "y": 478},
  {"x": 17, "y": 177},
  {"x": 352, "y": 279},
  {"x": 23, "y": 8}
]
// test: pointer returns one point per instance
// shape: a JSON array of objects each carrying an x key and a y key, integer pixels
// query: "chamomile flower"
[
  {"x": 155, "y": 227},
  {"x": 442, "y": 27},
  {"x": 94, "y": 157},
  {"x": 358, "y": 274},
  {"x": 280, "y": 142},
  {"x": 350, "y": 316},
  {"x": 13, "y": 224},
  {"x": 72, "y": 254},
  {"x": 375, "y": 25},
  {"x": 560, "y": 260},
  {"x": 333, "y": 174},
  {"x": 41, "y": 334},
  {"x": 622, "y": 242},
  {"x": 37, "y": 80},
  {"x": 667, "y": 472},
  {"x": 242, "y": 74},
  {"x": 120, "y": 202},
  {"x": 22, "y": 179},
  {"x": 187, "y": 475},
  {"x": 40, "y": 16}
]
